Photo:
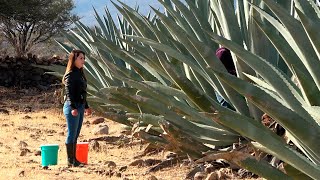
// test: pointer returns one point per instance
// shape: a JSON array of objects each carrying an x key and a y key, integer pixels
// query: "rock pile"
[{"x": 20, "y": 72}]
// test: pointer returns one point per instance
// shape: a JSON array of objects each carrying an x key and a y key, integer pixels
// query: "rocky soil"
[{"x": 30, "y": 118}]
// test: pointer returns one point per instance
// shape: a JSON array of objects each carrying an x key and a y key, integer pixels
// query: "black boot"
[
  {"x": 70, "y": 154},
  {"x": 76, "y": 162}
]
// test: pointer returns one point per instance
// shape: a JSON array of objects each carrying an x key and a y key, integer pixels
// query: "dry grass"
[{"x": 44, "y": 127}]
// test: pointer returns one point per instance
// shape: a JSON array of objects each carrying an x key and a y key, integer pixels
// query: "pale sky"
[{"x": 85, "y": 11}]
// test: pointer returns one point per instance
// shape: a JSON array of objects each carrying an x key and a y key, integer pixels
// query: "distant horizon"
[{"x": 84, "y": 8}]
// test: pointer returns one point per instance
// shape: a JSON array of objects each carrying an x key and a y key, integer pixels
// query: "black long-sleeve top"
[{"x": 76, "y": 88}]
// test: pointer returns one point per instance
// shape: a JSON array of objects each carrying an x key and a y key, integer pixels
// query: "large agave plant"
[{"x": 163, "y": 72}]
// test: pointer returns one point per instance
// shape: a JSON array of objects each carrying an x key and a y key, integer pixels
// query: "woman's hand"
[
  {"x": 74, "y": 112},
  {"x": 88, "y": 111}
]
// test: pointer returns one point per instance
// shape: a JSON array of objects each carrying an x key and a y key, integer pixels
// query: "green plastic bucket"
[{"x": 49, "y": 154}]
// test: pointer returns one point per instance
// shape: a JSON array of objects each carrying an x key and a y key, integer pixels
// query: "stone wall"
[{"x": 20, "y": 72}]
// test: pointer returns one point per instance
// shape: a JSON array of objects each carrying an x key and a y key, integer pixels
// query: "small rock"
[
  {"x": 22, "y": 144},
  {"x": 212, "y": 176},
  {"x": 110, "y": 164},
  {"x": 51, "y": 131},
  {"x": 200, "y": 176},
  {"x": 185, "y": 163},
  {"x": 63, "y": 169},
  {"x": 44, "y": 117},
  {"x": 61, "y": 133},
  {"x": 97, "y": 120},
  {"x": 123, "y": 168},
  {"x": 101, "y": 129},
  {"x": 27, "y": 117},
  {"x": 118, "y": 174},
  {"x": 4, "y": 111},
  {"x": 94, "y": 145},
  {"x": 217, "y": 175},
  {"x": 37, "y": 153},
  {"x": 27, "y": 109},
  {"x": 32, "y": 161},
  {"x": 138, "y": 162},
  {"x": 24, "y": 152},
  {"x": 209, "y": 169},
  {"x": 243, "y": 173},
  {"x": 21, "y": 173},
  {"x": 152, "y": 178},
  {"x": 170, "y": 155},
  {"x": 151, "y": 162},
  {"x": 197, "y": 169}
]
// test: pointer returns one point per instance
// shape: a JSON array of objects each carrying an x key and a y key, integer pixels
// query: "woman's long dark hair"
[{"x": 72, "y": 58}]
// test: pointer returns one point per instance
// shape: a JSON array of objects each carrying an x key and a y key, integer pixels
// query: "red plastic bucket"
[{"x": 82, "y": 152}]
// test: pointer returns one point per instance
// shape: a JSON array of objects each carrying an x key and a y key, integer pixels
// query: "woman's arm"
[{"x": 70, "y": 88}]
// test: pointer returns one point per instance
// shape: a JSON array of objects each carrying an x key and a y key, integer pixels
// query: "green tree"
[{"x": 27, "y": 23}]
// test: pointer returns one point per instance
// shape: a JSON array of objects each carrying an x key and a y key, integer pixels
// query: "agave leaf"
[
  {"x": 138, "y": 22},
  {"x": 149, "y": 56},
  {"x": 260, "y": 82},
  {"x": 175, "y": 15},
  {"x": 192, "y": 20},
  {"x": 288, "y": 54},
  {"x": 308, "y": 8},
  {"x": 296, "y": 32},
  {"x": 284, "y": 86},
  {"x": 205, "y": 57},
  {"x": 182, "y": 140},
  {"x": 65, "y": 47},
  {"x": 231, "y": 30},
  {"x": 209, "y": 136},
  {"x": 260, "y": 167},
  {"x": 172, "y": 102},
  {"x": 294, "y": 173},
  {"x": 308, "y": 87},
  {"x": 121, "y": 54},
  {"x": 101, "y": 24},
  {"x": 275, "y": 145},
  {"x": 312, "y": 29},
  {"x": 290, "y": 120},
  {"x": 243, "y": 19},
  {"x": 295, "y": 160},
  {"x": 203, "y": 19}
]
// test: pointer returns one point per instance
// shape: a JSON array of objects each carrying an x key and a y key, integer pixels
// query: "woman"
[
  {"x": 225, "y": 57},
  {"x": 75, "y": 105}
]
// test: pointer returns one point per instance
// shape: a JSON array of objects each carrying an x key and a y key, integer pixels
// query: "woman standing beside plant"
[{"x": 75, "y": 105}]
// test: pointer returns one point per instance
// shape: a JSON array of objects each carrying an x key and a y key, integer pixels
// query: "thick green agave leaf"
[
  {"x": 294, "y": 32},
  {"x": 259, "y": 167},
  {"x": 305, "y": 132},
  {"x": 294, "y": 159},
  {"x": 312, "y": 29},
  {"x": 279, "y": 81}
]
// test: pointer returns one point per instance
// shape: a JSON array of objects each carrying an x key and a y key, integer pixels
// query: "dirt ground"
[{"x": 29, "y": 119}]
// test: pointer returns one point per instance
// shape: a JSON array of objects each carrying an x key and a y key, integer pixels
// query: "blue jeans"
[
  {"x": 223, "y": 102},
  {"x": 74, "y": 123}
]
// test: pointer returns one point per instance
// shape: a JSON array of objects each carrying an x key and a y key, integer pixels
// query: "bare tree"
[{"x": 26, "y": 23}]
